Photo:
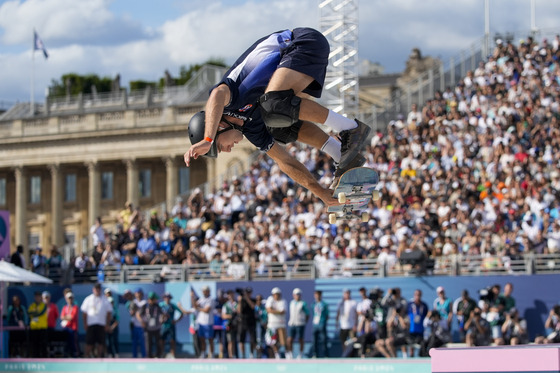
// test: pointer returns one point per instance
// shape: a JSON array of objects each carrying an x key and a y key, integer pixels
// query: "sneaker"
[
  {"x": 352, "y": 142},
  {"x": 358, "y": 161}
]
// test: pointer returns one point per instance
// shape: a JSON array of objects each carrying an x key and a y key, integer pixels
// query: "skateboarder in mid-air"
[{"x": 262, "y": 98}]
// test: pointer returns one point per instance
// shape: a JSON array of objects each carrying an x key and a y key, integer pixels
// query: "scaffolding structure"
[{"x": 339, "y": 23}]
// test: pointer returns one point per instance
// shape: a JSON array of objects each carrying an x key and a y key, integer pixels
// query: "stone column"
[
  {"x": 94, "y": 192},
  {"x": 21, "y": 210},
  {"x": 172, "y": 182},
  {"x": 132, "y": 181},
  {"x": 57, "y": 236}
]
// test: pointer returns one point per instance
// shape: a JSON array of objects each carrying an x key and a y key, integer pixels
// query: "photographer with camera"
[
  {"x": 398, "y": 325},
  {"x": 247, "y": 320},
  {"x": 552, "y": 325},
  {"x": 478, "y": 329},
  {"x": 462, "y": 308},
  {"x": 363, "y": 308},
  {"x": 495, "y": 315},
  {"x": 378, "y": 313},
  {"x": 514, "y": 329},
  {"x": 439, "y": 333}
]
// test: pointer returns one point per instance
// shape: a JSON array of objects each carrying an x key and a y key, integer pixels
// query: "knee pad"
[
  {"x": 280, "y": 108},
  {"x": 286, "y": 135}
]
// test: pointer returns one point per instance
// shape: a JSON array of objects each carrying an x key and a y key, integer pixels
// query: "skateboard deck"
[{"x": 355, "y": 188}]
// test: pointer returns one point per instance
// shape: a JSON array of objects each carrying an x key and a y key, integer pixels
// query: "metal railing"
[
  {"x": 453, "y": 265},
  {"x": 205, "y": 78}
]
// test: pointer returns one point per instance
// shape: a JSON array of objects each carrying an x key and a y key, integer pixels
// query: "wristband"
[{"x": 208, "y": 139}]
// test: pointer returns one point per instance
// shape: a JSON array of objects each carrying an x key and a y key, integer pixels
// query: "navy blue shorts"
[
  {"x": 308, "y": 54},
  {"x": 169, "y": 333},
  {"x": 206, "y": 331},
  {"x": 297, "y": 332}
]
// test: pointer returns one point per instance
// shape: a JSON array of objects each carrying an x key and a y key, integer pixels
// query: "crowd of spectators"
[
  {"x": 235, "y": 323},
  {"x": 473, "y": 172}
]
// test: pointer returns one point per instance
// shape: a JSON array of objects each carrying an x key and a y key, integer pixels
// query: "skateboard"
[{"x": 354, "y": 190}]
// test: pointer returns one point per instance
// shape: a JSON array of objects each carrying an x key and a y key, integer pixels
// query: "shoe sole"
[{"x": 358, "y": 148}]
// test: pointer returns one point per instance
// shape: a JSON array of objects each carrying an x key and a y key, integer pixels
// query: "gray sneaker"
[
  {"x": 352, "y": 142},
  {"x": 358, "y": 161}
]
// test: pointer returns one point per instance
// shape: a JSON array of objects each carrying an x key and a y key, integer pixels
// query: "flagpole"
[{"x": 32, "y": 108}]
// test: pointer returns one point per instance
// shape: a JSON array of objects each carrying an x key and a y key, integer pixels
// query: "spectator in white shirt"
[
  {"x": 276, "y": 327},
  {"x": 347, "y": 317},
  {"x": 97, "y": 233},
  {"x": 96, "y": 313},
  {"x": 204, "y": 308}
]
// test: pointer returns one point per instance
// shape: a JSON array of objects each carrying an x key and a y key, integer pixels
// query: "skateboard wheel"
[
  {"x": 342, "y": 197},
  {"x": 375, "y": 195},
  {"x": 332, "y": 218},
  {"x": 365, "y": 217}
]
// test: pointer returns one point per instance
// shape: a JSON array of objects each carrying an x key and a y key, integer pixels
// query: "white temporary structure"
[{"x": 13, "y": 273}]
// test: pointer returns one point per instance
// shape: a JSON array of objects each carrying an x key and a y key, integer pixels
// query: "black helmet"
[{"x": 196, "y": 133}]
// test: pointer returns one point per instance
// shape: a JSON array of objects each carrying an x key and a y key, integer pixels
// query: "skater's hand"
[
  {"x": 195, "y": 151},
  {"x": 328, "y": 199}
]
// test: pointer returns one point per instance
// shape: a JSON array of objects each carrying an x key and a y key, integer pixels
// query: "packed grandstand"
[{"x": 469, "y": 182}]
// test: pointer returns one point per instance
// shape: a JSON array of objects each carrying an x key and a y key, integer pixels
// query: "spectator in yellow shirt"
[{"x": 37, "y": 312}]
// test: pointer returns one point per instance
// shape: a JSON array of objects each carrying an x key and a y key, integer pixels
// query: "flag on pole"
[{"x": 38, "y": 45}]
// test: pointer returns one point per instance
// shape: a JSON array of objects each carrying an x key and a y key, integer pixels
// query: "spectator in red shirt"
[
  {"x": 69, "y": 321},
  {"x": 52, "y": 311}
]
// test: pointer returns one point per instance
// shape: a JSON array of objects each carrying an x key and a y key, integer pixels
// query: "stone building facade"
[{"x": 83, "y": 157}]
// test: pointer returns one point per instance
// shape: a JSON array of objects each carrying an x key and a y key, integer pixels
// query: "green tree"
[{"x": 74, "y": 84}]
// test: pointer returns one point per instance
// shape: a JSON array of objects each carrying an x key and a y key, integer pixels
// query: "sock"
[
  {"x": 332, "y": 148},
  {"x": 339, "y": 122}
]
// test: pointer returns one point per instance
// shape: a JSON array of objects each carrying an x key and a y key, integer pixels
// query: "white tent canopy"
[{"x": 12, "y": 273}]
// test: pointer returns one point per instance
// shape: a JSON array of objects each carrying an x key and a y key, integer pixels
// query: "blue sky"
[{"x": 140, "y": 39}]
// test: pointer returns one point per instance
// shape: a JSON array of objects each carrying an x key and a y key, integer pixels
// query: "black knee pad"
[
  {"x": 280, "y": 109},
  {"x": 286, "y": 135}
]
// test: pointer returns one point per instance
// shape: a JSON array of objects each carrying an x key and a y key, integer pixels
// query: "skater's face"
[{"x": 229, "y": 135}]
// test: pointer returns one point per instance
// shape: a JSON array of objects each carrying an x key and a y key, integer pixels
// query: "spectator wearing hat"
[
  {"x": 39, "y": 262},
  {"x": 248, "y": 321},
  {"x": 151, "y": 317},
  {"x": 96, "y": 313},
  {"x": 168, "y": 328},
  {"x": 204, "y": 308},
  {"x": 113, "y": 330},
  {"x": 443, "y": 305},
  {"x": 320, "y": 318},
  {"x": 138, "y": 339},
  {"x": 346, "y": 317},
  {"x": 69, "y": 323},
  {"x": 299, "y": 316},
  {"x": 37, "y": 312},
  {"x": 276, "y": 327}
]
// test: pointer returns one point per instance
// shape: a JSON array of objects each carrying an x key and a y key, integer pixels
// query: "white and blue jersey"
[{"x": 303, "y": 49}]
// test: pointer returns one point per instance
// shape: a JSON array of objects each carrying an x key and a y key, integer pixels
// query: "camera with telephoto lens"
[{"x": 486, "y": 294}]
